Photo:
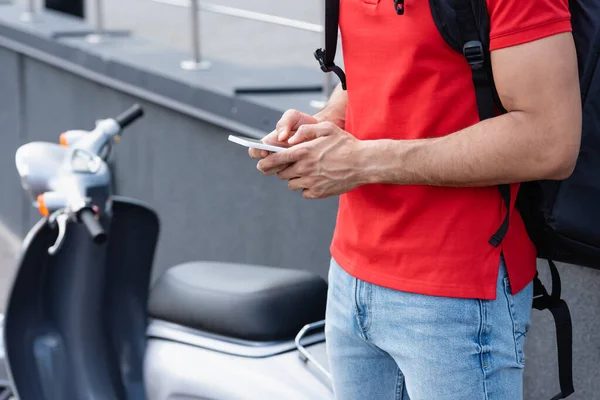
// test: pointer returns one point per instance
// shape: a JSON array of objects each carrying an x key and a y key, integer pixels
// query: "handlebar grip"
[
  {"x": 88, "y": 218},
  {"x": 127, "y": 117}
]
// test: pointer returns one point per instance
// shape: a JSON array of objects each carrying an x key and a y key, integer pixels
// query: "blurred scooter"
[{"x": 81, "y": 324}]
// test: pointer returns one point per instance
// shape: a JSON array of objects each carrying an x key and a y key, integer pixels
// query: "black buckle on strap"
[
  {"x": 399, "y": 6},
  {"x": 473, "y": 52},
  {"x": 320, "y": 56}
]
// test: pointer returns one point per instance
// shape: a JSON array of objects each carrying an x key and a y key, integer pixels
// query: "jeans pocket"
[{"x": 519, "y": 306}]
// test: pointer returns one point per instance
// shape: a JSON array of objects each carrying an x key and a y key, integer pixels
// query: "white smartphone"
[{"x": 255, "y": 144}]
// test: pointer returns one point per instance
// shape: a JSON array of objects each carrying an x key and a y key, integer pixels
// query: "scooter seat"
[{"x": 247, "y": 302}]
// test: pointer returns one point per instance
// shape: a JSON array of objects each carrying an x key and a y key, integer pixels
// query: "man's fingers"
[
  {"x": 285, "y": 157},
  {"x": 257, "y": 153},
  {"x": 306, "y": 133},
  {"x": 276, "y": 170},
  {"x": 303, "y": 184},
  {"x": 288, "y": 173},
  {"x": 290, "y": 122},
  {"x": 309, "y": 194},
  {"x": 272, "y": 139},
  {"x": 299, "y": 183}
]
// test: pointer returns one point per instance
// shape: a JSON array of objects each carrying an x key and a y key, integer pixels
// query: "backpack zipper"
[{"x": 399, "y": 6}]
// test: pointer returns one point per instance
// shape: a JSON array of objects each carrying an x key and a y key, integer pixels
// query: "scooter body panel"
[
  {"x": 131, "y": 249},
  {"x": 178, "y": 371},
  {"x": 75, "y": 322}
]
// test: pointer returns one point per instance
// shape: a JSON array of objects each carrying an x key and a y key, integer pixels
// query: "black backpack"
[{"x": 562, "y": 217}]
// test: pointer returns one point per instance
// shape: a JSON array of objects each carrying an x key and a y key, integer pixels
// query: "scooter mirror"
[{"x": 38, "y": 163}]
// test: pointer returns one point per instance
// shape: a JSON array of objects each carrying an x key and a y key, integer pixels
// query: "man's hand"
[
  {"x": 286, "y": 132},
  {"x": 323, "y": 165},
  {"x": 286, "y": 127}
]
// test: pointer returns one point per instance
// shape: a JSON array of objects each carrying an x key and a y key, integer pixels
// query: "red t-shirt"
[{"x": 405, "y": 82}]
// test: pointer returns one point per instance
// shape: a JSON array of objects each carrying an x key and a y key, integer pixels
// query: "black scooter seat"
[{"x": 241, "y": 301}]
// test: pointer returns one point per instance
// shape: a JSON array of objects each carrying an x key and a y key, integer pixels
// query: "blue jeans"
[{"x": 386, "y": 344}]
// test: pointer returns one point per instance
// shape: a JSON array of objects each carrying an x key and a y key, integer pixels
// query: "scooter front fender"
[{"x": 75, "y": 323}]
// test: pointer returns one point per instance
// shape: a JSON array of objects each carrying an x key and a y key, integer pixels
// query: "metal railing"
[
  {"x": 33, "y": 11},
  {"x": 197, "y": 62},
  {"x": 98, "y": 36}
]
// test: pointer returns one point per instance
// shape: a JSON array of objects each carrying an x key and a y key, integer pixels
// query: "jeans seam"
[
  {"x": 358, "y": 314},
  {"x": 399, "y": 386},
  {"x": 482, "y": 346},
  {"x": 511, "y": 312},
  {"x": 355, "y": 296},
  {"x": 368, "y": 308}
]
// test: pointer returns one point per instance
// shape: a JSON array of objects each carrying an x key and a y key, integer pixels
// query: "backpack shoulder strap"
[
  {"x": 564, "y": 330},
  {"x": 464, "y": 25},
  {"x": 326, "y": 56}
]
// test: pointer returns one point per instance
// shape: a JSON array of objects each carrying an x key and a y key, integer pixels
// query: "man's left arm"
[{"x": 538, "y": 138}]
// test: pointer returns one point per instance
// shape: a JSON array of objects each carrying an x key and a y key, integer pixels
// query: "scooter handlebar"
[
  {"x": 127, "y": 117},
  {"x": 94, "y": 227}
]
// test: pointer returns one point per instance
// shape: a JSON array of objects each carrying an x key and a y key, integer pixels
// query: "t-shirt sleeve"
[{"x": 514, "y": 22}]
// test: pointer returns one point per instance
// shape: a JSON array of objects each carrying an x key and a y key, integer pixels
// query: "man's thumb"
[{"x": 306, "y": 133}]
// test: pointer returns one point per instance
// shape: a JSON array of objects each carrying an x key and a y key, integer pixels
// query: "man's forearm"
[
  {"x": 514, "y": 147},
  {"x": 335, "y": 110}
]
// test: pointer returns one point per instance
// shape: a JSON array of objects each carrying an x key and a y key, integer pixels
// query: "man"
[{"x": 420, "y": 305}]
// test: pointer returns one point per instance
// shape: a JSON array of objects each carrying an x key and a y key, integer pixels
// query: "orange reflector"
[
  {"x": 42, "y": 206},
  {"x": 62, "y": 139}
]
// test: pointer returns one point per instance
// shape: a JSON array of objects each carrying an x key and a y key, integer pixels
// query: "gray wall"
[{"x": 213, "y": 203}]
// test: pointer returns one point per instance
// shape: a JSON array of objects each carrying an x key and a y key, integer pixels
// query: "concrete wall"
[{"x": 212, "y": 202}]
